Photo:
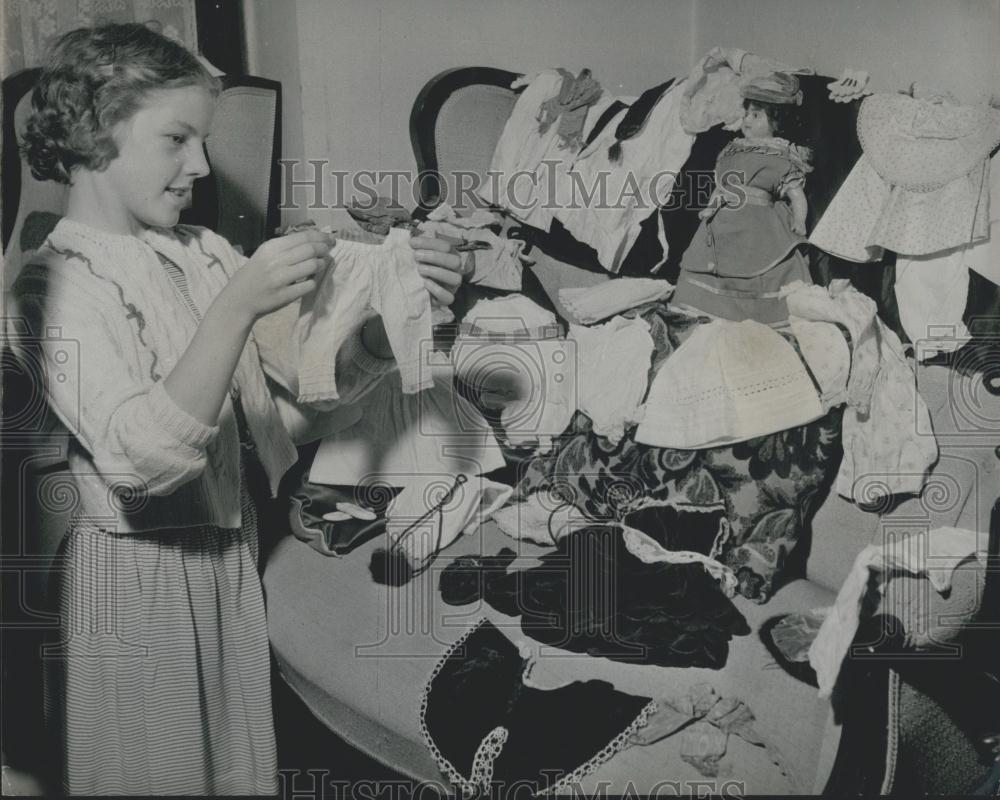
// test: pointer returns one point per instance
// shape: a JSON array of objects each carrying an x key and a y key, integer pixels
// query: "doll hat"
[
  {"x": 923, "y": 144},
  {"x": 728, "y": 382},
  {"x": 778, "y": 87}
]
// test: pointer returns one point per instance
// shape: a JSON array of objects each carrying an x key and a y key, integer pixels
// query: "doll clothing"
[
  {"x": 613, "y": 372},
  {"x": 362, "y": 280},
  {"x": 487, "y": 726},
  {"x": 727, "y": 382},
  {"x": 592, "y": 594},
  {"x": 628, "y": 177},
  {"x": 885, "y": 451},
  {"x": 596, "y": 303},
  {"x": 935, "y": 555},
  {"x": 569, "y": 108},
  {"x": 531, "y": 157},
  {"x": 920, "y": 186},
  {"x": 399, "y": 438},
  {"x": 743, "y": 254},
  {"x": 712, "y": 89}
]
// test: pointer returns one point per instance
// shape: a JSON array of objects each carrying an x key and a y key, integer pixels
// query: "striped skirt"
[{"x": 160, "y": 683}]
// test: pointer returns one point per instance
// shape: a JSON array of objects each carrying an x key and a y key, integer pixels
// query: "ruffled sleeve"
[{"x": 794, "y": 178}]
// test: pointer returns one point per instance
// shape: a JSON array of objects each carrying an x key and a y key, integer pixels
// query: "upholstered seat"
[{"x": 359, "y": 653}]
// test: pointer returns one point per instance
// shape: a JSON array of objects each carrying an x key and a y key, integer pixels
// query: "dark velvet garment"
[
  {"x": 550, "y": 733},
  {"x": 591, "y": 595}
]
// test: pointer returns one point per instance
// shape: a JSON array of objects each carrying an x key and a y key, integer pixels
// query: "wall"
[
  {"x": 948, "y": 45},
  {"x": 272, "y": 33},
  {"x": 351, "y": 70},
  {"x": 363, "y": 63}
]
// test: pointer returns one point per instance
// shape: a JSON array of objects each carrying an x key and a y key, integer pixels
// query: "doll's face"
[{"x": 756, "y": 124}]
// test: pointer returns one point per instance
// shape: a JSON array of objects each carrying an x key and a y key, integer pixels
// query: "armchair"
[{"x": 924, "y": 701}]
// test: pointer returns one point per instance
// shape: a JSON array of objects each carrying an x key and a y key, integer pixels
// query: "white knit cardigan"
[{"x": 140, "y": 461}]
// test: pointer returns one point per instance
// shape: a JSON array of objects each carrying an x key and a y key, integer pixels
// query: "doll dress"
[{"x": 741, "y": 256}]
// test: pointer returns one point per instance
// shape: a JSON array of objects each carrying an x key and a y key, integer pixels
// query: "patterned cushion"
[{"x": 769, "y": 486}]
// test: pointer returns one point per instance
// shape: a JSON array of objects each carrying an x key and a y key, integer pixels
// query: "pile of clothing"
[
  {"x": 924, "y": 189},
  {"x": 671, "y": 459}
]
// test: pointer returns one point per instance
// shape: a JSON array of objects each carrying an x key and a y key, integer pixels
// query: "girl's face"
[
  {"x": 756, "y": 125},
  {"x": 161, "y": 151}
]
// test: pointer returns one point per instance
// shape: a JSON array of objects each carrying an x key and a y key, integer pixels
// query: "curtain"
[{"x": 30, "y": 26}]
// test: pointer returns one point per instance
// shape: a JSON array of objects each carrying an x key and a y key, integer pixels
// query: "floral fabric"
[{"x": 769, "y": 486}]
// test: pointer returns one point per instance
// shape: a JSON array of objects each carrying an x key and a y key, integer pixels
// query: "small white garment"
[
  {"x": 521, "y": 147},
  {"x": 883, "y": 452},
  {"x": 626, "y": 192},
  {"x": 510, "y": 350},
  {"x": 500, "y": 266},
  {"x": 362, "y": 279},
  {"x": 527, "y": 174},
  {"x": 935, "y": 555},
  {"x": 543, "y": 518},
  {"x": 595, "y": 303},
  {"x": 480, "y": 218},
  {"x": 868, "y": 215},
  {"x": 984, "y": 257},
  {"x": 888, "y": 447},
  {"x": 931, "y": 292},
  {"x": 851, "y": 85},
  {"x": 613, "y": 362},
  {"x": 827, "y": 355},
  {"x": 843, "y": 304},
  {"x": 922, "y": 184},
  {"x": 727, "y": 382},
  {"x": 400, "y": 439},
  {"x": 555, "y": 187},
  {"x": 514, "y": 313},
  {"x": 533, "y": 381},
  {"x": 421, "y": 535},
  {"x": 712, "y": 89}
]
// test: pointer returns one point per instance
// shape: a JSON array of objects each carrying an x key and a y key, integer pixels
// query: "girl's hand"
[
  {"x": 280, "y": 272},
  {"x": 440, "y": 267}
]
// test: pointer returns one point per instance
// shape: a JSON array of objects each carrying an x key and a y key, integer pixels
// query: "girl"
[
  {"x": 749, "y": 242},
  {"x": 160, "y": 683}
]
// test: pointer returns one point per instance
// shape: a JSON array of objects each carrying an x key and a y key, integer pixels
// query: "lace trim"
[
  {"x": 739, "y": 391},
  {"x": 493, "y": 742},
  {"x": 615, "y": 746},
  {"x": 649, "y": 551},
  {"x": 892, "y": 734},
  {"x": 722, "y": 538},
  {"x": 468, "y": 787},
  {"x": 774, "y": 146},
  {"x": 486, "y": 754},
  {"x": 680, "y": 504}
]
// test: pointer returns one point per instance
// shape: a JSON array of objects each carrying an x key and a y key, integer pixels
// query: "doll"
[{"x": 750, "y": 241}]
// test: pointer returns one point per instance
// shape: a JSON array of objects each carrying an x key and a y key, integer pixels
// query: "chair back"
[
  {"x": 455, "y": 124},
  {"x": 244, "y": 151}
]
